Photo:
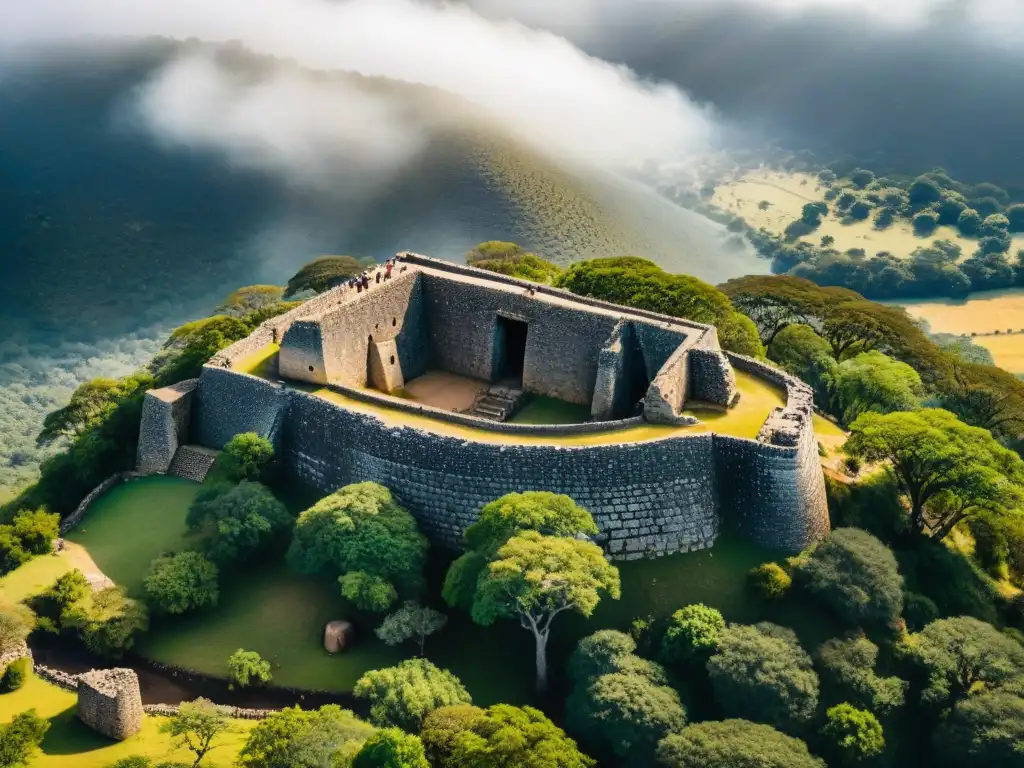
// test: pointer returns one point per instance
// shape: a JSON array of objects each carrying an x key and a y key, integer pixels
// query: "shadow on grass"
[{"x": 70, "y": 736}]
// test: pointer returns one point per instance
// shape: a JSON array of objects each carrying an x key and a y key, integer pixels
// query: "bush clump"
[
  {"x": 692, "y": 634},
  {"x": 769, "y": 581},
  {"x": 16, "y": 674}
]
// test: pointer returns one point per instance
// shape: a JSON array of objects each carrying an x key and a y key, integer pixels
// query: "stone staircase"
[
  {"x": 497, "y": 403},
  {"x": 192, "y": 462}
]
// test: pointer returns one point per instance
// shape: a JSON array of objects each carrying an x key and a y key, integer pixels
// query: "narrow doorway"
[{"x": 509, "y": 348}]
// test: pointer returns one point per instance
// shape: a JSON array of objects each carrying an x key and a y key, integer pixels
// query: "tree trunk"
[
  {"x": 541, "y": 654},
  {"x": 948, "y": 526}
]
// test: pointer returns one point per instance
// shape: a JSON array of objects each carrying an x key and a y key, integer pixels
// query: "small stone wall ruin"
[
  {"x": 674, "y": 494},
  {"x": 110, "y": 703}
]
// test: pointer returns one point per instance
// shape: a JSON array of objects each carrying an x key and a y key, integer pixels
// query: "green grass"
[
  {"x": 133, "y": 524},
  {"x": 33, "y": 577},
  {"x": 71, "y": 743},
  {"x": 548, "y": 410}
]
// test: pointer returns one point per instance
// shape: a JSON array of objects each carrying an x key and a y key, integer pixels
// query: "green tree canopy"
[
  {"x": 873, "y": 382},
  {"x": 21, "y": 737},
  {"x": 323, "y": 273},
  {"x": 107, "y": 621},
  {"x": 848, "y": 672},
  {"x": 196, "y": 726},
  {"x": 36, "y": 530},
  {"x": 607, "y": 651},
  {"x": 297, "y": 738},
  {"x": 550, "y": 514},
  {"x": 534, "y": 578},
  {"x": 797, "y": 348},
  {"x": 509, "y": 259},
  {"x": 853, "y": 734},
  {"x": 361, "y": 528},
  {"x": 855, "y": 575},
  {"x": 247, "y": 668},
  {"x": 411, "y": 622},
  {"x": 761, "y": 673},
  {"x": 624, "y": 715},
  {"x": 467, "y": 737},
  {"x": 959, "y": 653},
  {"x": 190, "y": 346},
  {"x": 947, "y": 469},
  {"x": 391, "y": 748},
  {"x": 692, "y": 635},
  {"x": 987, "y": 729},
  {"x": 237, "y": 522},
  {"x": 775, "y": 302},
  {"x": 182, "y": 582},
  {"x": 249, "y": 299},
  {"x": 734, "y": 744},
  {"x": 247, "y": 456},
  {"x": 405, "y": 694}
]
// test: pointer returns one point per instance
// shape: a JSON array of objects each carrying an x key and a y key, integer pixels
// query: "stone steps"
[
  {"x": 192, "y": 462},
  {"x": 497, "y": 403}
]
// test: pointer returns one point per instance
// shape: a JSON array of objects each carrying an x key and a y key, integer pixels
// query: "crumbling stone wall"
[
  {"x": 712, "y": 379},
  {"x": 164, "y": 425},
  {"x": 109, "y": 702}
]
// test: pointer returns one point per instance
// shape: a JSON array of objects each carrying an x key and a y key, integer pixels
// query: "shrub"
[
  {"x": 761, "y": 673},
  {"x": 12, "y": 553},
  {"x": 411, "y": 622},
  {"x": 854, "y": 734},
  {"x": 366, "y": 592},
  {"x": 16, "y": 674},
  {"x": 36, "y": 531},
  {"x": 246, "y": 668},
  {"x": 984, "y": 730},
  {"x": 624, "y": 715},
  {"x": 852, "y": 465},
  {"x": 182, "y": 582},
  {"x": 848, "y": 668},
  {"x": 925, "y": 223},
  {"x": 604, "y": 652},
  {"x": 107, "y": 621},
  {"x": 692, "y": 634},
  {"x": 918, "y": 611},
  {"x": 734, "y": 744},
  {"x": 856, "y": 575},
  {"x": 297, "y": 738},
  {"x": 21, "y": 737},
  {"x": 390, "y": 748},
  {"x": 237, "y": 521},
  {"x": 247, "y": 457},
  {"x": 405, "y": 694},
  {"x": 769, "y": 581}
]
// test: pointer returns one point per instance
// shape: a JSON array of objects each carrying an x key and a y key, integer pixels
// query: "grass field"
[
  {"x": 548, "y": 410},
  {"x": 789, "y": 192},
  {"x": 33, "y": 577},
  {"x": 70, "y": 743}
]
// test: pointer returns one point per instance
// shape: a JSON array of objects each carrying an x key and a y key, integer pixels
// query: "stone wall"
[
  {"x": 712, "y": 379},
  {"x": 229, "y": 403},
  {"x": 110, "y": 703},
  {"x": 75, "y": 517},
  {"x": 164, "y": 425},
  {"x": 647, "y": 498}
]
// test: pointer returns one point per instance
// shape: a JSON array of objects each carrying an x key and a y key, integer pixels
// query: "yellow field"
[
  {"x": 789, "y": 192},
  {"x": 1007, "y": 350},
  {"x": 982, "y": 313}
]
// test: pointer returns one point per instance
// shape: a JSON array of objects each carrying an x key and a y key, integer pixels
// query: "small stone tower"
[{"x": 109, "y": 702}]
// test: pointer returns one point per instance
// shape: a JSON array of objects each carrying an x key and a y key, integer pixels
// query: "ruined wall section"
[
  {"x": 647, "y": 498},
  {"x": 109, "y": 702},
  {"x": 229, "y": 403},
  {"x": 335, "y": 342},
  {"x": 164, "y": 425},
  {"x": 611, "y": 390},
  {"x": 712, "y": 379}
]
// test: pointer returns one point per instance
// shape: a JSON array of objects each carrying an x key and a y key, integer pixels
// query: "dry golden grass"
[
  {"x": 789, "y": 192},
  {"x": 1007, "y": 350},
  {"x": 982, "y": 313}
]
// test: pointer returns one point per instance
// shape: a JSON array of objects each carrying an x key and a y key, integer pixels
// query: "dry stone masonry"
[
  {"x": 653, "y": 497},
  {"x": 109, "y": 702}
]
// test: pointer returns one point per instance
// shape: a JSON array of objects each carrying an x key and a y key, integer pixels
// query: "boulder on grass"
[{"x": 338, "y": 636}]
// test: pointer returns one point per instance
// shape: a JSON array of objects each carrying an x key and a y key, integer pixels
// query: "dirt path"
[{"x": 79, "y": 557}]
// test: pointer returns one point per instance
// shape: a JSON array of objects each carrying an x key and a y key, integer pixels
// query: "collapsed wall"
[
  {"x": 109, "y": 702},
  {"x": 164, "y": 426}
]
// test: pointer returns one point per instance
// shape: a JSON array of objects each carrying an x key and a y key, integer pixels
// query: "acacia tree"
[
  {"x": 196, "y": 725},
  {"x": 534, "y": 578},
  {"x": 937, "y": 458},
  {"x": 411, "y": 622}
]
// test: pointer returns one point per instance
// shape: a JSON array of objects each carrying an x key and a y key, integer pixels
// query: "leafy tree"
[
  {"x": 607, "y": 651},
  {"x": 737, "y": 333},
  {"x": 534, "y": 578},
  {"x": 21, "y": 737},
  {"x": 861, "y": 326},
  {"x": 873, "y": 382},
  {"x": 884, "y": 218},
  {"x": 848, "y": 667},
  {"x": 460, "y": 579},
  {"x": 237, "y": 521},
  {"x": 107, "y": 621},
  {"x": 950, "y": 208},
  {"x": 16, "y": 674},
  {"x": 812, "y": 212},
  {"x": 12, "y": 553},
  {"x": 323, "y": 273},
  {"x": 297, "y": 738},
  {"x": 411, "y": 622},
  {"x": 189, "y": 347},
  {"x": 797, "y": 348},
  {"x": 854, "y": 734},
  {"x": 249, "y": 299},
  {"x": 36, "y": 530},
  {"x": 196, "y": 726},
  {"x": 987, "y": 729},
  {"x": 248, "y": 667},
  {"x": 775, "y": 302},
  {"x": 391, "y": 748},
  {"x": 938, "y": 458},
  {"x": 643, "y": 284},
  {"x": 247, "y": 456},
  {"x": 692, "y": 634},
  {"x": 827, "y": 241},
  {"x": 969, "y": 222},
  {"x": 50, "y": 604},
  {"x": 624, "y": 715},
  {"x": 405, "y": 694},
  {"x": 1015, "y": 217},
  {"x": 509, "y": 259},
  {"x": 924, "y": 191},
  {"x": 361, "y": 528},
  {"x": 499, "y": 735},
  {"x": 769, "y": 581},
  {"x": 962, "y": 652},
  {"x": 925, "y": 223},
  {"x": 734, "y": 744},
  {"x": 182, "y": 582},
  {"x": 366, "y": 592},
  {"x": 861, "y": 178},
  {"x": 91, "y": 403},
  {"x": 918, "y": 611},
  {"x": 860, "y": 210},
  {"x": 856, "y": 575},
  {"x": 550, "y": 514},
  {"x": 761, "y": 673}
]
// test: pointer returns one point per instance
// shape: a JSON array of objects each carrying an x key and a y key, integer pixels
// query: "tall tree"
[
  {"x": 534, "y": 578},
  {"x": 196, "y": 726},
  {"x": 774, "y": 302},
  {"x": 947, "y": 469}
]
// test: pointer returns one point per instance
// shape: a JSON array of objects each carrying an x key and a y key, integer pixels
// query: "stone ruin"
[
  {"x": 110, "y": 702},
  {"x": 338, "y": 635}
]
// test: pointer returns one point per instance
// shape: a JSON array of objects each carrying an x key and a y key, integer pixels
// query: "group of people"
[{"x": 362, "y": 282}]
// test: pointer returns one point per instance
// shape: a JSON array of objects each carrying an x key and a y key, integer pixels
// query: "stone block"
[{"x": 110, "y": 703}]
